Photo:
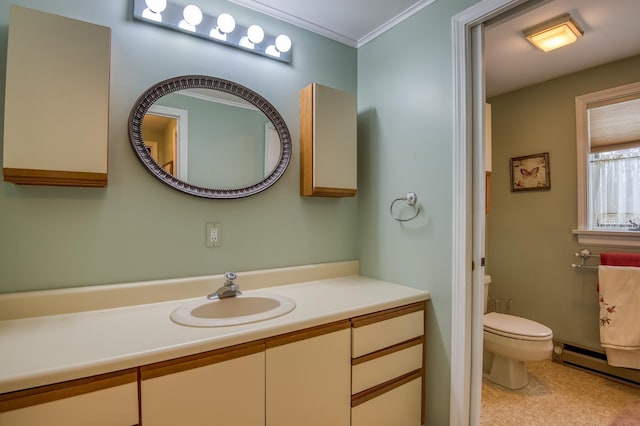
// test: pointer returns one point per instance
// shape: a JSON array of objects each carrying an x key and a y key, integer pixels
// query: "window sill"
[{"x": 608, "y": 238}]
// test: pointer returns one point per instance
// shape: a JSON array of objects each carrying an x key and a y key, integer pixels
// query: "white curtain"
[{"x": 615, "y": 188}]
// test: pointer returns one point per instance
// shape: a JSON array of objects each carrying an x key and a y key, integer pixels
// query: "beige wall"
[{"x": 530, "y": 246}]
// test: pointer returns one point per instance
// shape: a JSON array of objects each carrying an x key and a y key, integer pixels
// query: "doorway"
[
  {"x": 469, "y": 208},
  {"x": 467, "y": 303}
]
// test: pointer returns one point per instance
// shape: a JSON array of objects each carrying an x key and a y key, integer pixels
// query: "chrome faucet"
[{"x": 229, "y": 289}]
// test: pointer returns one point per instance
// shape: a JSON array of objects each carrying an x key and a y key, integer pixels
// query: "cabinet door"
[
  {"x": 56, "y": 122},
  {"x": 224, "y": 387},
  {"x": 328, "y": 142},
  {"x": 109, "y": 400},
  {"x": 309, "y": 377}
]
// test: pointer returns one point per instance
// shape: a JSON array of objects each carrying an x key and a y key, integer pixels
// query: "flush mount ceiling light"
[
  {"x": 222, "y": 29},
  {"x": 554, "y": 33}
]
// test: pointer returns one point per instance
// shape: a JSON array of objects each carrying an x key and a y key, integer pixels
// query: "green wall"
[
  {"x": 139, "y": 229},
  {"x": 405, "y": 133},
  {"x": 530, "y": 246}
]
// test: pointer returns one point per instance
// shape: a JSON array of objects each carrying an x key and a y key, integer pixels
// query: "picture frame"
[{"x": 530, "y": 173}]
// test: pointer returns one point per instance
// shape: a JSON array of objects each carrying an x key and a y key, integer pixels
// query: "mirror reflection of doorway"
[
  {"x": 163, "y": 131},
  {"x": 160, "y": 135}
]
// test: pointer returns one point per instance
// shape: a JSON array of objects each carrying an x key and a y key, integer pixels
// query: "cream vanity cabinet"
[
  {"x": 223, "y": 387},
  {"x": 56, "y": 117},
  {"x": 302, "y": 378},
  {"x": 328, "y": 142},
  {"x": 388, "y": 367},
  {"x": 363, "y": 371},
  {"x": 308, "y": 377},
  {"x": 108, "y": 399}
]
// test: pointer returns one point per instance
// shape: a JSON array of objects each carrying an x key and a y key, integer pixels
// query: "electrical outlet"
[{"x": 212, "y": 235}]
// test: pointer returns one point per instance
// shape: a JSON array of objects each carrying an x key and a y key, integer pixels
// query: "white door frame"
[
  {"x": 467, "y": 286},
  {"x": 182, "y": 117}
]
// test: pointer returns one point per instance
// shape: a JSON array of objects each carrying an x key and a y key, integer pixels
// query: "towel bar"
[{"x": 583, "y": 255}]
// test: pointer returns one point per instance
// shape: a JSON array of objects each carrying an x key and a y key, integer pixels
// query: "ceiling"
[
  {"x": 610, "y": 27},
  {"x": 351, "y": 22},
  {"x": 611, "y": 32}
]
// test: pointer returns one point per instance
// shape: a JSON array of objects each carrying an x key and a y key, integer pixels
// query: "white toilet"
[{"x": 509, "y": 341}]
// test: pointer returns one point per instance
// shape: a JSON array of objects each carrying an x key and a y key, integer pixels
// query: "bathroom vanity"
[{"x": 351, "y": 352}]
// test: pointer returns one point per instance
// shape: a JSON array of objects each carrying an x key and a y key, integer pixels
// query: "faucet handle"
[{"x": 230, "y": 277}]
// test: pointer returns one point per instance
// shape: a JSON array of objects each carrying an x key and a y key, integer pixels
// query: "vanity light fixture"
[
  {"x": 554, "y": 33},
  {"x": 221, "y": 29}
]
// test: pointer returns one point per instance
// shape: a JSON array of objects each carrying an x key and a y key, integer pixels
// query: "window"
[
  {"x": 615, "y": 190},
  {"x": 608, "y": 137}
]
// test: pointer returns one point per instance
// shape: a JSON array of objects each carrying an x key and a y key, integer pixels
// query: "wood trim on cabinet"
[
  {"x": 388, "y": 314},
  {"x": 320, "y": 191},
  {"x": 386, "y": 351},
  {"x": 366, "y": 395},
  {"x": 54, "y": 178},
  {"x": 307, "y": 333},
  {"x": 306, "y": 141},
  {"x": 486, "y": 191},
  {"x": 190, "y": 362},
  {"x": 49, "y": 393}
]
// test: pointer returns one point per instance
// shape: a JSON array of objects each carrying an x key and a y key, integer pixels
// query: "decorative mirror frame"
[{"x": 174, "y": 84}]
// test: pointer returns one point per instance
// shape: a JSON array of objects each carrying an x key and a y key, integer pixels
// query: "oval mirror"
[{"x": 209, "y": 137}]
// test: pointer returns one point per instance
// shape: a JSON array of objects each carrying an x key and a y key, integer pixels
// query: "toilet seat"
[{"x": 515, "y": 327}]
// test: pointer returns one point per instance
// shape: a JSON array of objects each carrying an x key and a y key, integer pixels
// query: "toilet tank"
[{"x": 487, "y": 281}]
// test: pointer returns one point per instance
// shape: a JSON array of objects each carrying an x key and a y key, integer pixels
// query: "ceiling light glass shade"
[
  {"x": 192, "y": 15},
  {"x": 226, "y": 23},
  {"x": 246, "y": 43},
  {"x": 255, "y": 34},
  {"x": 555, "y": 33},
  {"x": 156, "y": 5},
  {"x": 283, "y": 43},
  {"x": 272, "y": 51}
]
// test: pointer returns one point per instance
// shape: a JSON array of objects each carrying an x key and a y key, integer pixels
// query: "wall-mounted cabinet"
[
  {"x": 56, "y": 123},
  {"x": 328, "y": 142}
]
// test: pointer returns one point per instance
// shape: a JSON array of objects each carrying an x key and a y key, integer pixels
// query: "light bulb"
[
  {"x": 255, "y": 33},
  {"x": 226, "y": 23},
  {"x": 192, "y": 14},
  {"x": 156, "y": 5},
  {"x": 283, "y": 43}
]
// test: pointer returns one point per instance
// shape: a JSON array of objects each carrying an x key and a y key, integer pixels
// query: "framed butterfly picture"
[{"x": 530, "y": 173}]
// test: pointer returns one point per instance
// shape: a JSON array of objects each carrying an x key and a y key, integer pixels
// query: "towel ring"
[{"x": 411, "y": 198}]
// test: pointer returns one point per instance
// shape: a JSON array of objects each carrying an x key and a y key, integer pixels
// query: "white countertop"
[{"x": 48, "y": 349}]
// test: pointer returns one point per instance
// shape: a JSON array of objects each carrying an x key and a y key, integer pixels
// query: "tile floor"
[{"x": 557, "y": 395}]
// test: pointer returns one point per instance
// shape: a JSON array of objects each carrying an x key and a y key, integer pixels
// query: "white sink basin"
[{"x": 242, "y": 309}]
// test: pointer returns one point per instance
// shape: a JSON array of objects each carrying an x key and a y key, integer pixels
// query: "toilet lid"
[{"x": 516, "y": 327}]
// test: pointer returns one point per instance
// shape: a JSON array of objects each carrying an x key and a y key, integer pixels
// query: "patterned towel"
[{"x": 619, "y": 307}]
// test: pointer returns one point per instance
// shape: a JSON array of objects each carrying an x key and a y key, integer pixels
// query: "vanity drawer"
[
  {"x": 399, "y": 403},
  {"x": 371, "y": 333},
  {"x": 374, "y": 369}
]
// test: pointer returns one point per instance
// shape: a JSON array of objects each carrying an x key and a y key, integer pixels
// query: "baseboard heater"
[{"x": 593, "y": 361}]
